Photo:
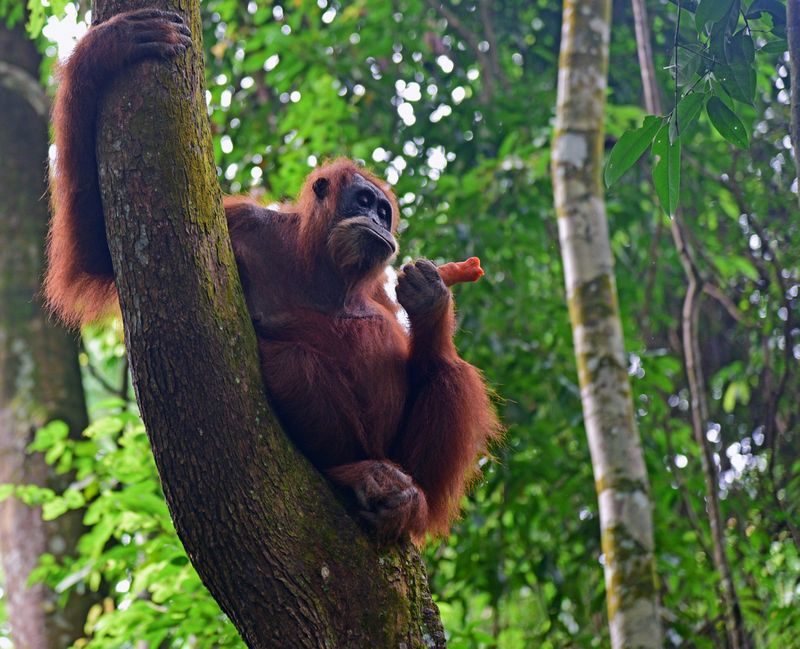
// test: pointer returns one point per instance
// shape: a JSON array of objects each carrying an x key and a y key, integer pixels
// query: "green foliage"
[
  {"x": 711, "y": 11},
  {"x": 725, "y": 121},
  {"x": 130, "y": 551},
  {"x": 667, "y": 168},
  {"x": 717, "y": 58},
  {"x": 629, "y": 148}
]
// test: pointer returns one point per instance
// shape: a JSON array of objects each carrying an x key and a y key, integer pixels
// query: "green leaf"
[
  {"x": 742, "y": 48},
  {"x": 726, "y": 122},
  {"x": 629, "y": 148},
  {"x": 48, "y": 436},
  {"x": 737, "y": 391},
  {"x": 109, "y": 403},
  {"x": 54, "y": 452},
  {"x": 772, "y": 7},
  {"x": 253, "y": 62},
  {"x": 688, "y": 65},
  {"x": 667, "y": 169},
  {"x": 36, "y": 18},
  {"x": 74, "y": 498},
  {"x": 105, "y": 427},
  {"x": 710, "y": 11},
  {"x": 746, "y": 268},
  {"x": 54, "y": 508},
  {"x": 775, "y": 47},
  {"x": 720, "y": 34},
  {"x": 33, "y": 495},
  {"x": 776, "y": 11},
  {"x": 739, "y": 81},
  {"x": 739, "y": 78},
  {"x": 689, "y": 108}
]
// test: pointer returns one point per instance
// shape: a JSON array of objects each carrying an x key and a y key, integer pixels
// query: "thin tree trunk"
[
  {"x": 39, "y": 375},
  {"x": 644, "y": 50},
  {"x": 617, "y": 460},
  {"x": 793, "y": 34},
  {"x": 734, "y": 624},
  {"x": 274, "y": 546}
]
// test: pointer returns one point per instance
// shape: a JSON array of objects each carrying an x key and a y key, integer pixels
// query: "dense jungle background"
[{"x": 454, "y": 104}]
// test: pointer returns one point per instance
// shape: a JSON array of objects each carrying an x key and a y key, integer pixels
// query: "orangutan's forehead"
[{"x": 360, "y": 181}]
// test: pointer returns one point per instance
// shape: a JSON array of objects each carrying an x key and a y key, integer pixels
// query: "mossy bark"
[
  {"x": 275, "y": 547},
  {"x": 39, "y": 374},
  {"x": 617, "y": 460}
]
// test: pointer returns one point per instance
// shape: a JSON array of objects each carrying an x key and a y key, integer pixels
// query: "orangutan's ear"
[{"x": 321, "y": 187}]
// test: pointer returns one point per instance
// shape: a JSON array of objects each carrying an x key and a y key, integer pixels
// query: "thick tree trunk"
[
  {"x": 274, "y": 546},
  {"x": 617, "y": 460},
  {"x": 39, "y": 375}
]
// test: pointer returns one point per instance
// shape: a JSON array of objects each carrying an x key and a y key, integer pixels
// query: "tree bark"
[
  {"x": 40, "y": 379},
  {"x": 275, "y": 547},
  {"x": 617, "y": 460},
  {"x": 644, "y": 51}
]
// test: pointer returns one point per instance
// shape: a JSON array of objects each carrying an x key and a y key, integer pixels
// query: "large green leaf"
[
  {"x": 739, "y": 81},
  {"x": 629, "y": 148},
  {"x": 739, "y": 77},
  {"x": 689, "y": 108},
  {"x": 727, "y": 123},
  {"x": 743, "y": 49},
  {"x": 710, "y": 11},
  {"x": 775, "y": 47},
  {"x": 721, "y": 31},
  {"x": 687, "y": 66},
  {"x": 772, "y": 7},
  {"x": 667, "y": 169}
]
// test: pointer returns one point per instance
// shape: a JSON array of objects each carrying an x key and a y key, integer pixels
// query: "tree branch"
[
  {"x": 21, "y": 83},
  {"x": 691, "y": 352},
  {"x": 644, "y": 50},
  {"x": 714, "y": 291},
  {"x": 485, "y": 8}
]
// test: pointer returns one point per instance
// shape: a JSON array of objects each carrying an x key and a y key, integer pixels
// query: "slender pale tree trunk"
[
  {"x": 273, "y": 545},
  {"x": 617, "y": 461},
  {"x": 734, "y": 623},
  {"x": 39, "y": 375}
]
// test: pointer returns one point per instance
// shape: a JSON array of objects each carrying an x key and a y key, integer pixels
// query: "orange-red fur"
[{"x": 375, "y": 408}]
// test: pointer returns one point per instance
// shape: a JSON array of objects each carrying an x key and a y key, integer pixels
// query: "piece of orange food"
[{"x": 458, "y": 272}]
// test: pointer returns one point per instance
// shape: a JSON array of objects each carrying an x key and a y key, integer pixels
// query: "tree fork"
[{"x": 272, "y": 543}]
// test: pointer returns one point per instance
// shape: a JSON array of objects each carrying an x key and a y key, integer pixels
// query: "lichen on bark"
[{"x": 617, "y": 460}]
